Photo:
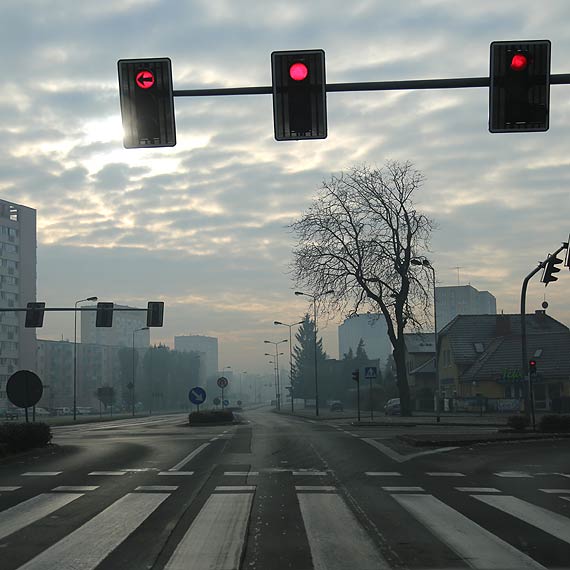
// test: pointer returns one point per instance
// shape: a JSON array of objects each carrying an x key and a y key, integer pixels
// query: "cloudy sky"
[{"x": 203, "y": 225}]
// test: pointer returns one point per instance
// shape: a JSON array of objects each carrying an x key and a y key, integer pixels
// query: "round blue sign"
[
  {"x": 197, "y": 395},
  {"x": 226, "y": 402}
]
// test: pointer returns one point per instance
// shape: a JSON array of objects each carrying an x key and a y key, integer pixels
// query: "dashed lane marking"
[
  {"x": 236, "y": 488},
  {"x": 41, "y": 473},
  {"x": 383, "y": 474},
  {"x": 402, "y": 489},
  {"x": 444, "y": 474},
  {"x": 556, "y": 491},
  {"x": 478, "y": 490},
  {"x": 514, "y": 474},
  {"x": 175, "y": 473},
  {"x": 314, "y": 473},
  {"x": 189, "y": 457},
  {"x": 162, "y": 488},
  {"x": 241, "y": 473},
  {"x": 107, "y": 473},
  {"x": 9, "y": 489},
  {"x": 76, "y": 488},
  {"x": 316, "y": 488}
]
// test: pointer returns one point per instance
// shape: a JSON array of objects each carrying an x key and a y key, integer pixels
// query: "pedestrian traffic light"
[
  {"x": 104, "y": 315},
  {"x": 299, "y": 95},
  {"x": 532, "y": 366},
  {"x": 147, "y": 102},
  {"x": 550, "y": 269},
  {"x": 519, "y": 93},
  {"x": 356, "y": 375},
  {"x": 35, "y": 315},
  {"x": 155, "y": 314}
]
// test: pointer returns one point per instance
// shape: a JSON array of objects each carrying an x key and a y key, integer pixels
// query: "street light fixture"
[
  {"x": 277, "y": 354},
  {"x": 75, "y": 354},
  {"x": 133, "y": 389},
  {"x": 290, "y": 357},
  {"x": 423, "y": 262},
  {"x": 315, "y": 298}
]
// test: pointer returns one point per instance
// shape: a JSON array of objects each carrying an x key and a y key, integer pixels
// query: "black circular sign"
[
  {"x": 24, "y": 389},
  {"x": 217, "y": 401},
  {"x": 239, "y": 402}
]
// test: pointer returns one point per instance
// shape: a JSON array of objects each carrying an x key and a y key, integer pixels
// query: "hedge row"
[
  {"x": 211, "y": 417},
  {"x": 24, "y": 436}
]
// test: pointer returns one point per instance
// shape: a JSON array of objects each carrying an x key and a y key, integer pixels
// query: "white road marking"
[
  {"x": 76, "y": 489},
  {"x": 86, "y": 547},
  {"x": 241, "y": 473},
  {"x": 403, "y": 489},
  {"x": 164, "y": 488},
  {"x": 188, "y": 473},
  {"x": 565, "y": 498},
  {"x": 189, "y": 457},
  {"x": 556, "y": 491},
  {"x": 236, "y": 488},
  {"x": 336, "y": 539},
  {"x": 514, "y": 474},
  {"x": 109, "y": 473},
  {"x": 315, "y": 473},
  {"x": 317, "y": 488},
  {"x": 140, "y": 470},
  {"x": 216, "y": 538},
  {"x": 402, "y": 458},
  {"x": 383, "y": 474},
  {"x": 27, "y": 512},
  {"x": 543, "y": 519},
  {"x": 444, "y": 474},
  {"x": 8, "y": 489},
  {"x": 475, "y": 545},
  {"x": 42, "y": 473},
  {"x": 478, "y": 489}
]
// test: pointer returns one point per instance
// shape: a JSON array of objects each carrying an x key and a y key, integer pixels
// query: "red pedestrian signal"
[
  {"x": 147, "y": 102},
  {"x": 519, "y": 92},
  {"x": 532, "y": 366},
  {"x": 299, "y": 95}
]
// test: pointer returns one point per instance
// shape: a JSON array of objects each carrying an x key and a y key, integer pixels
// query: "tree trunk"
[{"x": 401, "y": 373}]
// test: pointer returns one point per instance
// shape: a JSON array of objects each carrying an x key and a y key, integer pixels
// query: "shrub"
[
  {"x": 518, "y": 423},
  {"x": 555, "y": 423},
  {"x": 211, "y": 417},
  {"x": 22, "y": 436}
]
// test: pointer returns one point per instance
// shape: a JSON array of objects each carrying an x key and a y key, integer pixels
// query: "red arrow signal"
[{"x": 145, "y": 79}]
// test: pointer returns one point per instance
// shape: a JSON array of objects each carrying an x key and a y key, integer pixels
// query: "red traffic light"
[
  {"x": 298, "y": 71},
  {"x": 532, "y": 363},
  {"x": 519, "y": 62}
]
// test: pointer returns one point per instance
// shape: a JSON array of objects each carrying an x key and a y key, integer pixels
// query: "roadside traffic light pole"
[{"x": 529, "y": 400}]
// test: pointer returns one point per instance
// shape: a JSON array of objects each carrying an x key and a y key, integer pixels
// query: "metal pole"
[
  {"x": 436, "y": 360},
  {"x": 75, "y": 362},
  {"x": 151, "y": 386},
  {"x": 277, "y": 376},
  {"x": 371, "y": 402},
  {"x": 358, "y": 396},
  {"x": 133, "y": 390},
  {"x": 291, "y": 367},
  {"x": 316, "y": 375}
]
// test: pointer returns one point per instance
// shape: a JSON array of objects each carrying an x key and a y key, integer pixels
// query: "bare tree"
[{"x": 358, "y": 239}]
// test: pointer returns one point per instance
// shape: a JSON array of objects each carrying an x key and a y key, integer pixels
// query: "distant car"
[
  {"x": 336, "y": 406},
  {"x": 392, "y": 407},
  {"x": 42, "y": 412}
]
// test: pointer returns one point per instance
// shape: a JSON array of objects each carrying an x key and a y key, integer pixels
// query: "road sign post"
[
  {"x": 197, "y": 396},
  {"x": 222, "y": 383},
  {"x": 24, "y": 389},
  {"x": 370, "y": 372}
]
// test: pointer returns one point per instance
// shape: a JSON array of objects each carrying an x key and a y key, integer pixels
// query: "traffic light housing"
[
  {"x": 147, "y": 102},
  {"x": 550, "y": 269},
  {"x": 155, "y": 314},
  {"x": 35, "y": 315},
  {"x": 356, "y": 375},
  {"x": 519, "y": 93},
  {"x": 532, "y": 366},
  {"x": 104, "y": 315},
  {"x": 299, "y": 95}
]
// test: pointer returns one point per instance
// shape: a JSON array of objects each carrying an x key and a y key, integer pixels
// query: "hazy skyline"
[{"x": 203, "y": 225}]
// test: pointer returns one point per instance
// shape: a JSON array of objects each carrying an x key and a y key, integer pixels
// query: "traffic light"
[
  {"x": 104, "y": 315},
  {"x": 299, "y": 95},
  {"x": 519, "y": 93},
  {"x": 532, "y": 366},
  {"x": 356, "y": 375},
  {"x": 550, "y": 269},
  {"x": 155, "y": 314},
  {"x": 147, "y": 102},
  {"x": 35, "y": 315}
]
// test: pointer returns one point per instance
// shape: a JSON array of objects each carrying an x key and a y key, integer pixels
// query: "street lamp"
[
  {"x": 277, "y": 354},
  {"x": 75, "y": 354},
  {"x": 290, "y": 357},
  {"x": 314, "y": 298},
  {"x": 133, "y": 390},
  {"x": 425, "y": 263}
]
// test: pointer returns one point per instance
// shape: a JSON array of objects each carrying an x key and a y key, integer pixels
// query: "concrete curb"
[{"x": 472, "y": 440}]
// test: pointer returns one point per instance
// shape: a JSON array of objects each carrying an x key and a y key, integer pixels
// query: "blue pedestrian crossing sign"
[
  {"x": 197, "y": 395},
  {"x": 370, "y": 372}
]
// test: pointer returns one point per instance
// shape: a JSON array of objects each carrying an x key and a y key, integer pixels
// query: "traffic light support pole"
[
  {"x": 449, "y": 83},
  {"x": 526, "y": 373}
]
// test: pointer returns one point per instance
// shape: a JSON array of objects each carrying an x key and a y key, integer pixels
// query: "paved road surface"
[{"x": 280, "y": 492}]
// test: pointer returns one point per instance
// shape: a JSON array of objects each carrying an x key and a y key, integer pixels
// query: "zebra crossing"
[{"x": 216, "y": 536}]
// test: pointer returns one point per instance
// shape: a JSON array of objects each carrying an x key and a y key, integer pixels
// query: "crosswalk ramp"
[{"x": 335, "y": 532}]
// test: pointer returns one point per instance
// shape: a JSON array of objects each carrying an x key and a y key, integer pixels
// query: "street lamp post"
[
  {"x": 314, "y": 298},
  {"x": 290, "y": 357},
  {"x": 133, "y": 390},
  {"x": 425, "y": 263},
  {"x": 277, "y": 354},
  {"x": 274, "y": 376},
  {"x": 75, "y": 354}
]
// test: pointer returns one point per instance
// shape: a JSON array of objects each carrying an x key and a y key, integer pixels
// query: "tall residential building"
[
  {"x": 17, "y": 288},
  {"x": 462, "y": 300},
  {"x": 207, "y": 345},
  {"x": 372, "y": 329},
  {"x": 121, "y": 333}
]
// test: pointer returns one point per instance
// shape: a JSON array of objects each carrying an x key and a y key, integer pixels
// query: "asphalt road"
[{"x": 280, "y": 492}]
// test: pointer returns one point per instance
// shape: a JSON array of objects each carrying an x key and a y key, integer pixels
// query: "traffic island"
[
  {"x": 460, "y": 439},
  {"x": 211, "y": 417}
]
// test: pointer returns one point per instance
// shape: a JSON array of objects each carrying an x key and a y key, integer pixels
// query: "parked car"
[
  {"x": 392, "y": 407},
  {"x": 42, "y": 412},
  {"x": 336, "y": 406}
]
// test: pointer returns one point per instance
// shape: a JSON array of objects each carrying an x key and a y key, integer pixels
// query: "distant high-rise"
[
  {"x": 207, "y": 345},
  {"x": 372, "y": 330},
  {"x": 462, "y": 300},
  {"x": 120, "y": 334},
  {"x": 17, "y": 288}
]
